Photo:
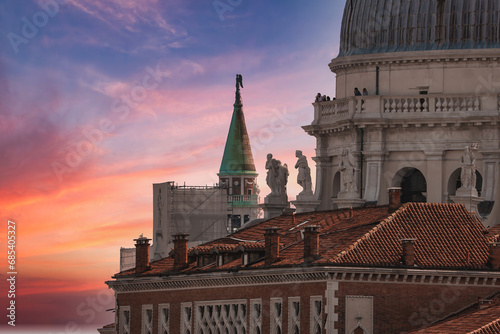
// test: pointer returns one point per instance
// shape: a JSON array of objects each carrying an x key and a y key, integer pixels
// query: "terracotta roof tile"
[
  {"x": 447, "y": 236},
  {"x": 470, "y": 321}
]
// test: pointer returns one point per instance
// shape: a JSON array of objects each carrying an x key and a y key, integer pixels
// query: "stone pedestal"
[
  {"x": 469, "y": 201},
  {"x": 461, "y": 192},
  {"x": 306, "y": 203},
  {"x": 274, "y": 206},
  {"x": 348, "y": 200}
]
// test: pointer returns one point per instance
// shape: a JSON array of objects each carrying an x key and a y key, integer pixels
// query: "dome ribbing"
[{"x": 378, "y": 26}]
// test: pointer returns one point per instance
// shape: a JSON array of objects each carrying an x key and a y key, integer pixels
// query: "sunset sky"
[{"x": 101, "y": 99}]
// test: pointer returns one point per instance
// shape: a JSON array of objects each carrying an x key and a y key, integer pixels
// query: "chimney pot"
[
  {"x": 408, "y": 252},
  {"x": 394, "y": 198},
  {"x": 494, "y": 257},
  {"x": 180, "y": 251},
  {"x": 272, "y": 244},
  {"x": 141, "y": 254},
  {"x": 484, "y": 303},
  {"x": 311, "y": 242}
]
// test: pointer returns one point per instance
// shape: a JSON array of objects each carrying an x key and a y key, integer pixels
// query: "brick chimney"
[
  {"x": 180, "y": 251},
  {"x": 141, "y": 254},
  {"x": 484, "y": 303},
  {"x": 394, "y": 198},
  {"x": 494, "y": 257},
  {"x": 272, "y": 244},
  {"x": 408, "y": 252},
  {"x": 311, "y": 242}
]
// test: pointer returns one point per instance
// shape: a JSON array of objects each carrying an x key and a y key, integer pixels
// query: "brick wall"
[
  {"x": 265, "y": 292},
  {"x": 400, "y": 308}
]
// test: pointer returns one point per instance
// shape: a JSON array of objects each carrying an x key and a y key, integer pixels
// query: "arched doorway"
[{"x": 413, "y": 185}]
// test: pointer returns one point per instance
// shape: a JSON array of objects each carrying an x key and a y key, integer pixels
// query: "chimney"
[
  {"x": 311, "y": 243},
  {"x": 408, "y": 252},
  {"x": 394, "y": 198},
  {"x": 484, "y": 303},
  {"x": 494, "y": 257},
  {"x": 141, "y": 254},
  {"x": 180, "y": 251},
  {"x": 272, "y": 244}
]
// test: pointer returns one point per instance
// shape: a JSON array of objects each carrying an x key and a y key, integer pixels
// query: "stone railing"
[
  {"x": 383, "y": 106},
  {"x": 243, "y": 199}
]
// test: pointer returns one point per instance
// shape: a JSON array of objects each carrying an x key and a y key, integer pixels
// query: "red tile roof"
[
  {"x": 447, "y": 236},
  {"x": 494, "y": 233},
  {"x": 471, "y": 321}
]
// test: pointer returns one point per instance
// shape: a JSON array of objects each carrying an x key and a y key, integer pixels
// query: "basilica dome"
[{"x": 377, "y": 26}]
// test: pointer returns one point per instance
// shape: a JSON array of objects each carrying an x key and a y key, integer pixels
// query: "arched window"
[
  {"x": 454, "y": 182},
  {"x": 358, "y": 330},
  {"x": 412, "y": 183}
]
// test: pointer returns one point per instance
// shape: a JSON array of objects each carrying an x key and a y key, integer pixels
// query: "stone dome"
[{"x": 377, "y": 26}]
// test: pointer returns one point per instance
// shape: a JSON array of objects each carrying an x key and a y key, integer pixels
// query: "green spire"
[{"x": 237, "y": 157}]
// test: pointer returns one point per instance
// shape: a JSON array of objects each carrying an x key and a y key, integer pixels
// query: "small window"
[
  {"x": 186, "y": 318},
  {"x": 147, "y": 319},
  {"x": 316, "y": 315},
  {"x": 276, "y": 315},
  {"x": 294, "y": 315},
  {"x": 124, "y": 320},
  {"x": 164, "y": 319},
  {"x": 255, "y": 316}
]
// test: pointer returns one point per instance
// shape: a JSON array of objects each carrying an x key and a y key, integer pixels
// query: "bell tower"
[{"x": 237, "y": 170}]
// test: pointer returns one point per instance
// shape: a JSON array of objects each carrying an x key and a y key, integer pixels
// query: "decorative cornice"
[
  {"x": 320, "y": 274},
  {"x": 414, "y": 57}
]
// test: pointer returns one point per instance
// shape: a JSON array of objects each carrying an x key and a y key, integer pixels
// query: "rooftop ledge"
[
  {"x": 487, "y": 54},
  {"x": 433, "y": 107}
]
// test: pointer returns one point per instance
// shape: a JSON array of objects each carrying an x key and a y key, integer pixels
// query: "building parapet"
[
  {"x": 320, "y": 274},
  {"x": 243, "y": 199},
  {"x": 404, "y": 107}
]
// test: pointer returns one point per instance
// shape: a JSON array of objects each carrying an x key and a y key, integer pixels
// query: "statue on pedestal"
[
  {"x": 277, "y": 178},
  {"x": 468, "y": 172},
  {"x": 304, "y": 175}
]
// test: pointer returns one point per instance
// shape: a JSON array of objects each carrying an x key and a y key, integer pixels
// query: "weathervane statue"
[{"x": 239, "y": 81}]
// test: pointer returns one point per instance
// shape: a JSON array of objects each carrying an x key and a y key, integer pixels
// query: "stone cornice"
[
  {"x": 384, "y": 124},
  {"x": 300, "y": 275},
  {"x": 415, "y": 57}
]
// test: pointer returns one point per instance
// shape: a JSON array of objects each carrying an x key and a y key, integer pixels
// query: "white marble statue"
[
  {"x": 347, "y": 172},
  {"x": 304, "y": 174},
  {"x": 468, "y": 172},
  {"x": 277, "y": 177}
]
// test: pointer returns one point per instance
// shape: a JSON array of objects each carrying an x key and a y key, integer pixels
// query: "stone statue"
[
  {"x": 239, "y": 81},
  {"x": 277, "y": 177},
  {"x": 347, "y": 172},
  {"x": 304, "y": 175},
  {"x": 468, "y": 172},
  {"x": 272, "y": 174},
  {"x": 282, "y": 180}
]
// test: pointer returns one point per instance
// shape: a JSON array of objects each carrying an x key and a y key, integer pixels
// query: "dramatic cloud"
[{"x": 109, "y": 97}]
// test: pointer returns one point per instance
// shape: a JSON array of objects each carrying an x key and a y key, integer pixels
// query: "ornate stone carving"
[
  {"x": 348, "y": 172},
  {"x": 277, "y": 178}
]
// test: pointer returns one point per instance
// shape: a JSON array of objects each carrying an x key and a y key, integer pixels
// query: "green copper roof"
[{"x": 237, "y": 157}]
